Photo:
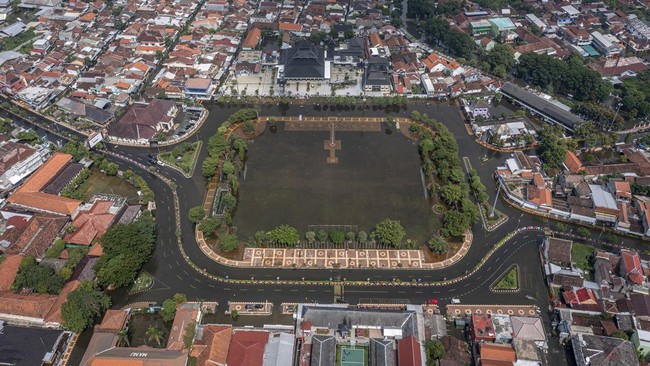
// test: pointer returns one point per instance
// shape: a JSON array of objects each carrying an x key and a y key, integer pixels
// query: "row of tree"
[
  {"x": 218, "y": 144},
  {"x": 388, "y": 232},
  {"x": 441, "y": 153}
]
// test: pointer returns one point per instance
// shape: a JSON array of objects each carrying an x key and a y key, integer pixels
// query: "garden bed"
[
  {"x": 140, "y": 323},
  {"x": 183, "y": 156},
  {"x": 508, "y": 281}
]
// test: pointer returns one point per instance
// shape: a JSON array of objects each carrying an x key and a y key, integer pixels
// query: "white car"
[{"x": 455, "y": 301}]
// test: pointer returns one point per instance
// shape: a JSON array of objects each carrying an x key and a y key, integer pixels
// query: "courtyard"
[{"x": 288, "y": 180}]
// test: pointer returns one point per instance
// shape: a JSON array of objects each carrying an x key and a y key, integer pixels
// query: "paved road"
[{"x": 173, "y": 274}]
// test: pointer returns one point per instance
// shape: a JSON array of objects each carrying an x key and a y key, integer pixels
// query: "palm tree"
[
  {"x": 123, "y": 339},
  {"x": 153, "y": 333}
]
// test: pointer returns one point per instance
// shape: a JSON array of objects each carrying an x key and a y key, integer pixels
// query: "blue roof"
[
  {"x": 590, "y": 50},
  {"x": 502, "y": 23}
]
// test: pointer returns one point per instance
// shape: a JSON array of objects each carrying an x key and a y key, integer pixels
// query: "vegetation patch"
[
  {"x": 182, "y": 156},
  {"x": 508, "y": 281},
  {"x": 582, "y": 256},
  {"x": 142, "y": 283}
]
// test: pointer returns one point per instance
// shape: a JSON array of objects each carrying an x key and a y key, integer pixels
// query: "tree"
[
  {"x": 228, "y": 168},
  {"x": 336, "y": 236},
  {"x": 83, "y": 306},
  {"x": 310, "y": 236},
  {"x": 41, "y": 279},
  {"x": 362, "y": 236},
  {"x": 451, "y": 194},
  {"x": 553, "y": 148},
  {"x": 620, "y": 334},
  {"x": 284, "y": 234},
  {"x": 435, "y": 350},
  {"x": 456, "y": 222},
  {"x": 169, "y": 307},
  {"x": 168, "y": 311},
  {"x": 123, "y": 339},
  {"x": 228, "y": 242},
  {"x": 196, "y": 214},
  {"x": 126, "y": 248},
  {"x": 234, "y": 314},
  {"x": 154, "y": 334},
  {"x": 321, "y": 235},
  {"x": 389, "y": 232},
  {"x": 260, "y": 237},
  {"x": 229, "y": 201},
  {"x": 209, "y": 166},
  {"x": 438, "y": 245},
  {"x": 560, "y": 226},
  {"x": 350, "y": 236},
  {"x": 583, "y": 231},
  {"x": 209, "y": 225}
]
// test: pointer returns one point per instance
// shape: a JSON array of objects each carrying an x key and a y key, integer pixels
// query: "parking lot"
[{"x": 250, "y": 308}]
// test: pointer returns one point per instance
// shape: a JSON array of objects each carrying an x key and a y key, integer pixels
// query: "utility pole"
[{"x": 496, "y": 198}]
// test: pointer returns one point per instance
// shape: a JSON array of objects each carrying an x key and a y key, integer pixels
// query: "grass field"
[
  {"x": 99, "y": 182},
  {"x": 509, "y": 281},
  {"x": 582, "y": 256}
]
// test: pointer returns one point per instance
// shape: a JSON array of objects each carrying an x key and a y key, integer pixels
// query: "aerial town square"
[{"x": 324, "y": 182}]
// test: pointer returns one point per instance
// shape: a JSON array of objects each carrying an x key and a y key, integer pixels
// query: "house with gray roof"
[
  {"x": 13, "y": 29},
  {"x": 547, "y": 110},
  {"x": 382, "y": 352},
  {"x": 603, "y": 351},
  {"x": 305, "y": 61},
  {"x": 323, "y": 350}
]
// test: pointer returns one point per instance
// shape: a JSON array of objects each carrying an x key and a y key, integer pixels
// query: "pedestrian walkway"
[
  {"x": 334, "y": 258},
  {"x": 461, "y": 311}
]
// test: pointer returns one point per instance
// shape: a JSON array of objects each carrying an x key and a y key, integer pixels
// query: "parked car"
[
  {"x": 432, "y": 302},
  {"x": 455, "y": 301},
  {"x": 249, "y": 307}
]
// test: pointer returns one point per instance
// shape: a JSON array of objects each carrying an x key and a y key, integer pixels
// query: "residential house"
[
  {"x": 141, "y": 122},
  {"x": 30, "y": 194},
  {"x": 480, "y": 108},
  {"x": 199, "y": 88},
  {"x": 600, "y": 350}
]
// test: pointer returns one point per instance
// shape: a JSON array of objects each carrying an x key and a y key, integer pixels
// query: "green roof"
[
  {"x": 502, "y": 23},
  {"x": 590, "y": 50}
]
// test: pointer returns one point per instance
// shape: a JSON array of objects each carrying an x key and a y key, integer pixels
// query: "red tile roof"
[
  {"x": 91, "y": 224},
  {"x": 9, "y": 270},
  {"x": 54, "y": 315},
  {"x": 497, "y": 354},
  {"x": 186, "y": 314},
  {"x": 582, "y": 296},
  {"x": 252, "y": 38},
  {"x": 293, "y": 27},
  {"x": 29, "y": 193},
  {"x": 113, "y": 321},
  {"x": 32, "y": 305},
  {"x": 408, "y": 352},
  {"x": 34, "y": 236},
  {"x": 212, "y": 348},
  {"x": 572, "y": 162},
  {"x": 247, "y": 348},
  {"x": 632, "y": 266}
]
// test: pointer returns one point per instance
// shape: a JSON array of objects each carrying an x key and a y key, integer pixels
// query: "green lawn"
[
  {"x": 143, "y": 282},
  {"x": 99, "y": 182},
  {"x": 582, "y": 256},
  {"x": 183, "y": 156},
  {"x": 509, "y": 281}
]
